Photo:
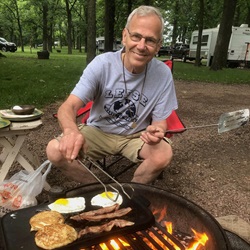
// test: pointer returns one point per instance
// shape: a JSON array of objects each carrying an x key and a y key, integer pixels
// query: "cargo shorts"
[{"x": 100, "y": 144}]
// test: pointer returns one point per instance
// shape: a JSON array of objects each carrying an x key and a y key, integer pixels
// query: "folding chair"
[{"x": 174, "y": 124}]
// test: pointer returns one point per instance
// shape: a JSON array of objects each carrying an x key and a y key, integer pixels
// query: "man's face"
[{"x": 142, "y": 40}]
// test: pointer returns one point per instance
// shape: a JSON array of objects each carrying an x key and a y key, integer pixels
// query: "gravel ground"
[{"x": 208, "y": 168}]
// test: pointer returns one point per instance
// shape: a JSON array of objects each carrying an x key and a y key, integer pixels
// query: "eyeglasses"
[{"x": 136, "y": 37}]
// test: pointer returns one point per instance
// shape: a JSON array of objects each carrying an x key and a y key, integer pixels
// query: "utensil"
[
  {"x": 227, "y": 121},
  {"x": 104, "y": 185}
]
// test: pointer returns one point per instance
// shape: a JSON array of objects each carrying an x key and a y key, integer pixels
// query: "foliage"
[{"x": 180, "y": 14}]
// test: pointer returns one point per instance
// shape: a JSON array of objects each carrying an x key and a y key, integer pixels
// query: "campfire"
[
  {"x": 160, "y": 236},
  {"x": 179, "y": 225}
]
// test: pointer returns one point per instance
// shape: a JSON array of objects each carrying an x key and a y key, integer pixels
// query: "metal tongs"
[{"x": 104, "y": 185}]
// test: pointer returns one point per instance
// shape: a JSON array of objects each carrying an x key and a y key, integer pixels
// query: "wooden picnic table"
[{"x": 12, "y": 140}]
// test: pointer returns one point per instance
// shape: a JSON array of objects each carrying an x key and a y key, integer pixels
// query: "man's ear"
[
  {"x": 158, "y": 47},
  {"x": 124, "y": 36}
]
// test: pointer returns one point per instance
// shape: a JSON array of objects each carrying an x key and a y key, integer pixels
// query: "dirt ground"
[{"x": 210, "y": 169}]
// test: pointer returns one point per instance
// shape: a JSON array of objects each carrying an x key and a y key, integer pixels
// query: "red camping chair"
[{"x": 174, "y": 124}]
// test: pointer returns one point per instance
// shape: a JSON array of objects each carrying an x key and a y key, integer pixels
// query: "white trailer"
[
  {"x": 238, "y": 48},
  {"x": 117, "y": 45}
]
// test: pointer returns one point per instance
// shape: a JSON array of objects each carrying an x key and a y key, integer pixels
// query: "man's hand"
[
  {"x": 70, "y": 144},
  {"x": 152, "y": 135}
]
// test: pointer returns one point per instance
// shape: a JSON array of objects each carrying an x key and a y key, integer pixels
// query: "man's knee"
[
  {"x": 163, "y": 158},
  {"x": 52, "y": 151}
]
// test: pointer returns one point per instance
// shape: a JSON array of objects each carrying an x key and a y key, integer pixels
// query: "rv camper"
[
  {"x": 238, "y": 49},
  {"x": 100, "y": 44}
]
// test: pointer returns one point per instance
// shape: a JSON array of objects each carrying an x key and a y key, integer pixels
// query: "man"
[{"x": 133, "y": 94}]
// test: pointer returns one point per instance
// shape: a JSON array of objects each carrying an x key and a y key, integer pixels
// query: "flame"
[
  {"x": 160, "y": 214},
  {"x": 169, "y": 227},
  {"x": 114, "y": 244},
  {"x": 201, "y": 238}
]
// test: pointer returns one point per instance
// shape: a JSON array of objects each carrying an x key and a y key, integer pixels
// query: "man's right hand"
[{"x": 70, "y": 144}]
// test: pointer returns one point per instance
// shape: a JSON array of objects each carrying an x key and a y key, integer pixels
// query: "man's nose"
[{"x": 142, "y": 43}]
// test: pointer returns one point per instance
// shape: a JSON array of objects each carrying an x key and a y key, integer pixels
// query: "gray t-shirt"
[{"x": 118, "y": 105}]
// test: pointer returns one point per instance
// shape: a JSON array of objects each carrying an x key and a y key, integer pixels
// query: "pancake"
[
  {"x": 54, "y": 236},
  {"x": 44, "y": 218}
]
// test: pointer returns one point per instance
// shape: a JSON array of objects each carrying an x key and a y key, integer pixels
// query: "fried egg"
[
  {"x": 68, "y": 205},
  {"x": 106, "y": 199}
]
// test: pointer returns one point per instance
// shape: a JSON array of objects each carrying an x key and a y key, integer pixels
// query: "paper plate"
[
  {"x": 4, "y": 123},
  {"x": 8, "y": 114}
]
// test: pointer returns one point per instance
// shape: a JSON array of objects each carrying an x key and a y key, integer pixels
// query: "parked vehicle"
[
  {"x": 7, "y": 46},
  {"x": 164, "y": 51},
  {"x": 117, "y": 45},
  {"x": 180, "y": 52},
  {"x": 238, "y": 48}
]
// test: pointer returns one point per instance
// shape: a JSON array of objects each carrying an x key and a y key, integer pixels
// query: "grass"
[
  {"x": 188, "y": 72},
  {"x": 24, "y": 79}
]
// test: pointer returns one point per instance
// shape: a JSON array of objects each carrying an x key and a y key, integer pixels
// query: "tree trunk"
[
  {"x": 129, "y": 7},
  {"x": 69, "y": 30},
  {"x": 175, "y": 22},
  {"x": 200, "y": 28},
  {"x": 248, "y": 14},
  {"x": 221, "y": 49},
  {"x": 19, "y": 26},
  {"x": 50, "y": 38},
  {"x": 109, "y": 25},
  {"x": 45, "y": 25},
  {"x": 91, "y": 30}
]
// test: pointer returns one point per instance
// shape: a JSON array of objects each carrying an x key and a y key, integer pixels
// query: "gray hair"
[{"x": 146, "y": 11}]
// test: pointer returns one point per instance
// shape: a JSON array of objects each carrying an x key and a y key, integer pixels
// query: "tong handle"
[
  {"x": 98, "y": 179},
  {"x": 114, "y": 180}
]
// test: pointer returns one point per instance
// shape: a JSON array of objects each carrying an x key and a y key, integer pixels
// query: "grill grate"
[{"x": 155, "y": 236}]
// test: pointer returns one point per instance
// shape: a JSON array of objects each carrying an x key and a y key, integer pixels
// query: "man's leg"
[
  {"x": 98, "y": 145},
  {"x": 155, "y": 159},
  {"x": 72, "y": 170}
]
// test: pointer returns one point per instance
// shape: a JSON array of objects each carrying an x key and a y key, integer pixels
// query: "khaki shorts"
[{"x": 99, "y": 144}]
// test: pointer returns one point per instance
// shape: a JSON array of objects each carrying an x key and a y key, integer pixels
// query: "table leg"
[
  {"x": 5, "y": 150},
  {"x": 32, "y": 157},
  {"x": 12, "y": 153}
]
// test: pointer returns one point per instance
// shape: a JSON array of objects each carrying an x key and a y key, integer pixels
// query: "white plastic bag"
[{"x": 21, "y": 189}]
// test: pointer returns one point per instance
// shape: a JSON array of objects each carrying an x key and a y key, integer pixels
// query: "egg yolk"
[
  {"x": 61, "y": 201},
  {"x": 107, "y": 195}
]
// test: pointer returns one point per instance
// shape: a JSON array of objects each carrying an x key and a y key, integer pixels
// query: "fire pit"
[
  {"x": 189, "y": 222},
  {"x": 183, "y": 214}
]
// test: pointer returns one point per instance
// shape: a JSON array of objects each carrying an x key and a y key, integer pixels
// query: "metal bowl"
[{"x": 23, "y": 109}]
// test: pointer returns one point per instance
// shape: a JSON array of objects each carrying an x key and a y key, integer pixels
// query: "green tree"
[
  {"x": 109, "y": 25},
  {"x": 200, "y": 25},
  {"x": 225, "y": 30},
  {"x": 91, "y": 40}
]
